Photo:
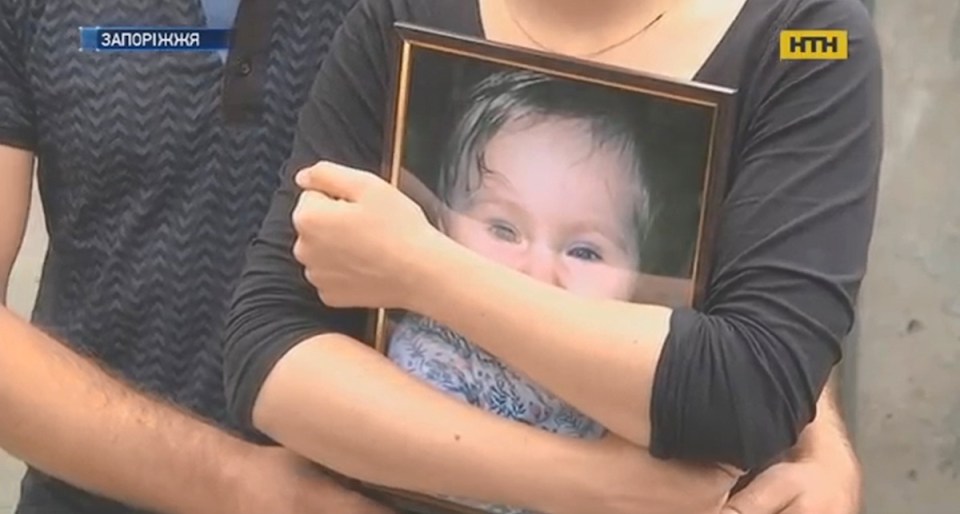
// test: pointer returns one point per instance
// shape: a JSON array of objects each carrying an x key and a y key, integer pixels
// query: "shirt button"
[{"x": 244, "y": 68}]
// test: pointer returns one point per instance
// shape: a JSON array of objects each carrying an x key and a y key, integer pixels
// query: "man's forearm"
[
  {"x": 826, "y": 436},
  {"x": 66, "y": 417}
]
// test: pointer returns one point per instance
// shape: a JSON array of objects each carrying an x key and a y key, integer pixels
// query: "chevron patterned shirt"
[{"x": 155, "y": 170}]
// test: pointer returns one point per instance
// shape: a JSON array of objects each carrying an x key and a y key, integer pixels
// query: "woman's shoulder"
[
  {"x": 766, "y": 21},
  {"x": 454, "y": 15},
  {"x": 827, "y": 9},
  {"x": 805, "y": 15},
  {"x": 771, "y": 43},
  {"x": 367, "y": 38},
  {"x": 366, "y": 41}
]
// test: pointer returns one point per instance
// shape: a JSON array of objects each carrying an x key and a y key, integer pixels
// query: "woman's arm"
[
  {"x": 739, "y": 381},
  {"x": 599, "y": 355},
  {"x": 342, "y": 404}
]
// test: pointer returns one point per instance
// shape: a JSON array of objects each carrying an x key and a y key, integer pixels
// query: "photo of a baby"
[
  {"x": 541, "y": 179},
  {"x": 576, "y": 184},
  {"x": 545, "y": 177}
]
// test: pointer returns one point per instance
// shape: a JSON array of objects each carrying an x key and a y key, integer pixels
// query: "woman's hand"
[
  {"x": 359, "y": 238},
  {"x": 626, "y": 479}
]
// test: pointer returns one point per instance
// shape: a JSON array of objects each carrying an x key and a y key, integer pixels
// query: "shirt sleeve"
[
  {"x": 739, "y": 380},
  {"x": 16, "y": 103},
  {"x": 274, "y": 307}
]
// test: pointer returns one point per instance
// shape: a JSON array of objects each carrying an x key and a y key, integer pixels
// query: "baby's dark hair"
[{"x": 509, "y": 96}]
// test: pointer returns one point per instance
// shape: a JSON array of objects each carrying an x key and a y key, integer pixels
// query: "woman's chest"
[{"x": 672, "y": 39}]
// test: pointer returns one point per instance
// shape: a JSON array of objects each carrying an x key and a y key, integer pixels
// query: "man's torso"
[{"x": 151, "y": 194}]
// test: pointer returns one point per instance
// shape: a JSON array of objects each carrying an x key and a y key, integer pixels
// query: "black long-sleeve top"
[{"x": 739, "y": 378}]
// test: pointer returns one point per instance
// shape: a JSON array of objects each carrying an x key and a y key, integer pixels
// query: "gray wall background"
[
  {"x": 906, "y": 359},
  {"x": 23, "y": 288},
  {"x": 902, "y": 376}
]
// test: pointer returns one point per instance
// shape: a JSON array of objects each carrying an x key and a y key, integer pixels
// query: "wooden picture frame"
[{"x": 680, "y": 135}]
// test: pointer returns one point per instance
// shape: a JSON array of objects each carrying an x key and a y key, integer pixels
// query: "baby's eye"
[
  {"x": 585, "y": 254},
  {"x": 504, "y": 232}
]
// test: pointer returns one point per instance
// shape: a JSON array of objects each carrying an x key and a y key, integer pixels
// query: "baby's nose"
[{"x": 542, "y": 264}]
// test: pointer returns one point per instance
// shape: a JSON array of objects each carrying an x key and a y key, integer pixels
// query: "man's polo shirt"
[
  {"x": 155, "y": 170},
  {"x": 220, "y": 14}
]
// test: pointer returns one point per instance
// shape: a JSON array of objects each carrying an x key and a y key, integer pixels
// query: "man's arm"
[
  {"x": 60, "y": 410},
  {"x": 16, "y": 172},
  {"x": 63, "y": 415},
  {"x": 820, "y": 475},
  {"x": 66, "y": 417},
  {"x": 826, "y": 436}
]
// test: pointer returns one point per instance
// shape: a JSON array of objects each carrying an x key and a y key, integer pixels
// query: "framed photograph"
[{"x": 599, "y": 180}]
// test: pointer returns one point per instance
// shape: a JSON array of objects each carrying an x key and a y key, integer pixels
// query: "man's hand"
[
  {"x": 820, "y": 476},
  {"x": 280, "y": 482},
  {"x": 802, "y": 487}
]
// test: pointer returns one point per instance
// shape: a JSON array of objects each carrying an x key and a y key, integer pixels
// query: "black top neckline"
[{"x": 472, "y": 24}]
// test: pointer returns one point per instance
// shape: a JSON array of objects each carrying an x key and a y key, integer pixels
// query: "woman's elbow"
[
  {"x": 732, "y": 393},
  {"x": 259, "y": 384},
  {"x": 254, "y": 346},
  {"x": 762, "y": 423}
]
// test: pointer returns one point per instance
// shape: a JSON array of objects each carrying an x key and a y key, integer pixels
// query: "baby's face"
[{"x": 553, "y": 206}]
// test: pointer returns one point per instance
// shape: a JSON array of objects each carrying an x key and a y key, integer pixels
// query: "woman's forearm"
[
  {"x": 345, "y": 406},
  {"x": 600, "y": 356}
]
